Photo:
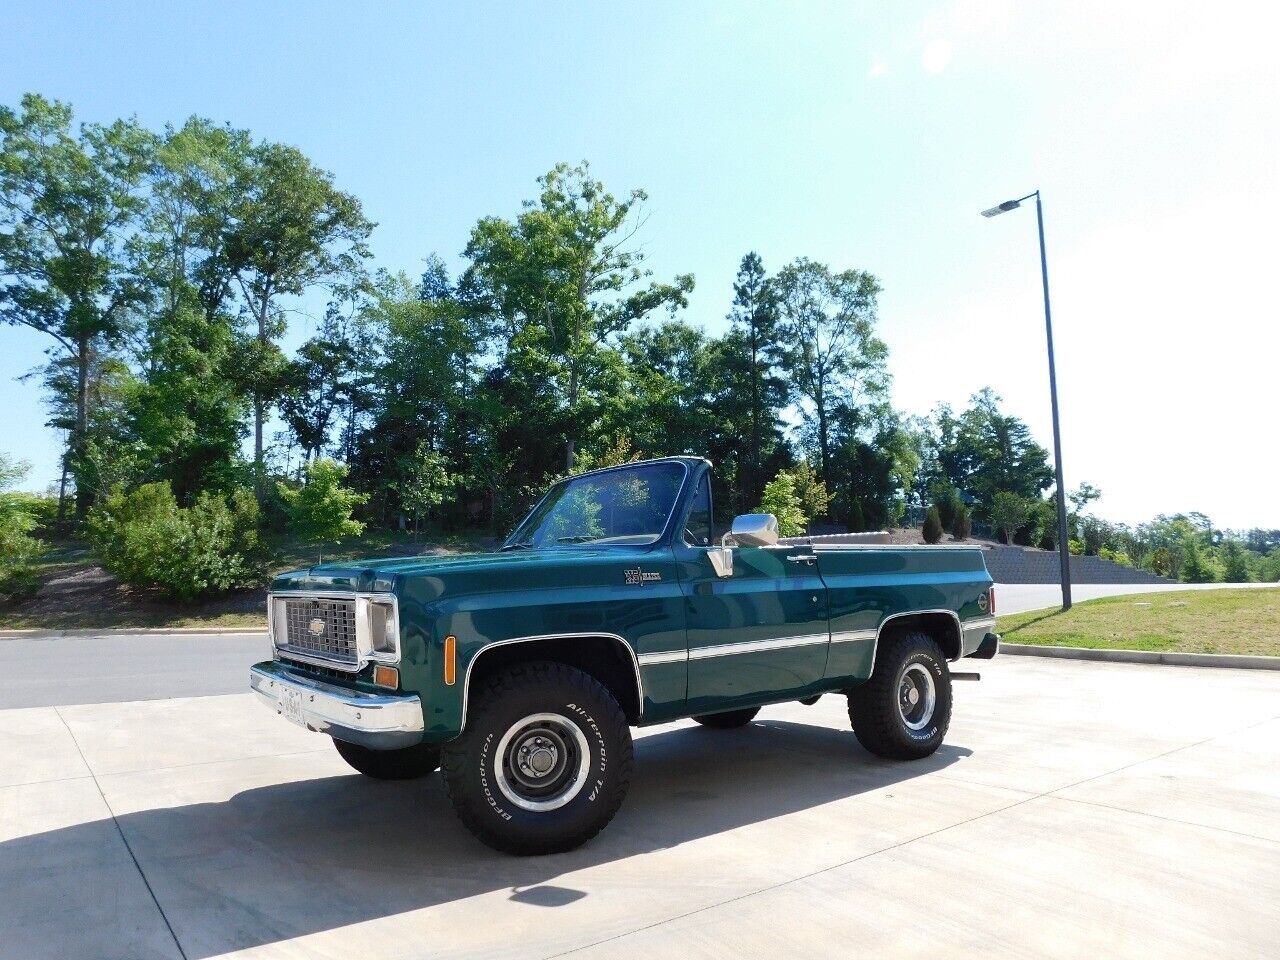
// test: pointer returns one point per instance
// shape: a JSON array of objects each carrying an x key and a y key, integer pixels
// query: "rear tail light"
[{"x": 991, "y": 600}]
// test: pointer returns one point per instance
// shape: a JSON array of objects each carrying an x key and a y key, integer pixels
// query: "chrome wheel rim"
[
  {"x": 542, "y": 762},
  {"x": 917, "y": 696}
]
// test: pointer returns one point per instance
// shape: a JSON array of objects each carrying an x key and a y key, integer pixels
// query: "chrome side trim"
[
  {"x": 886, "y": 546},
  {"x": 915, "y": 613},
  {"x": 758, "y": 646},
  {"x": 596, "y": 635},
  {"x": 663, "y": 656},
  {"x": 377, "y": 721},
  {"x": 848, "y": 636},
  {"x": 983, "y": 623}
]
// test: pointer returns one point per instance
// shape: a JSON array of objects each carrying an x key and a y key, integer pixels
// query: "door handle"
[{"x": 808, "y": 558}]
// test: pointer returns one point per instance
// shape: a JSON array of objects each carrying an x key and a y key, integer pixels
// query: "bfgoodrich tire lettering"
[
  {"x": 903, "y": 711},
  {"x": 545, "y": 761}
]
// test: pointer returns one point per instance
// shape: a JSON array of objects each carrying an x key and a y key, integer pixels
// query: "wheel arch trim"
[
  {"x": 955, "y": 619},
  {"x": 613, "y": 638}
]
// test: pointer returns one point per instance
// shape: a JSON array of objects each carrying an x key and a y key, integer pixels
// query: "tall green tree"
[
  {"x": 186, "y": 413},
  {"x": 426, "y": 387},
  {"x": 292, "y": 230},
  {"x": 70, "y": 201},
  {"x": 320, "y": 381},
  {"x": 563, "y": 278},
  {"x": 984, "y": 451},
  {"x": 754, "y": 357},
  {"x": 833, "y": 355}
]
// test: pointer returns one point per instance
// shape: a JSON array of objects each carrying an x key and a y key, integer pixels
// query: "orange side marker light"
[{"x": 450, "y": 660}]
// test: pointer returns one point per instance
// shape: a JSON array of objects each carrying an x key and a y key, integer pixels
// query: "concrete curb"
[
  {"x": 1143, "y": 656},
  {"x": 36, "y": 633}
]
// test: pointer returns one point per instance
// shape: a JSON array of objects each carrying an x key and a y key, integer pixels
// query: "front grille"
[{"x": 321, "y": 628}]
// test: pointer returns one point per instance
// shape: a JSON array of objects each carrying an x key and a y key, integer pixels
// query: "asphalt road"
[
  {"x": 1075, "y": 810},
  {"x": 38, "y": 672}
]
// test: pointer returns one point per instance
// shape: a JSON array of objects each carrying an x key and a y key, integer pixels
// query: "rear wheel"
[
  {"x": 404, "y": 764},
  {"x": 729, "y": 719},
  {"x": 545, "y": 761},
  {"x": 902, "y": 712}
]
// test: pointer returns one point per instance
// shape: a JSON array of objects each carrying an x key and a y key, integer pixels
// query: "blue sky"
[{"x": 863, "y": 135}]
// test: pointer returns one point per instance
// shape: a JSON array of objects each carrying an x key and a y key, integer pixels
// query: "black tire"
[
  {"x": 538, "y": 706},
  {"x": 881, "y": 710},
  {"x": 729, "y": 719},
  {"x": 407, "y": 763}
]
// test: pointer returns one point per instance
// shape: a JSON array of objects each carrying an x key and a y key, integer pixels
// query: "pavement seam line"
[
  {"x": 1156, "y": 816},
  {"x": 123, "y": 839},
  {"x": 894, "y": 846}
]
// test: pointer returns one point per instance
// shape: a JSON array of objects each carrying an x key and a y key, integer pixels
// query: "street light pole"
[{"x": 1064, "y": 543}]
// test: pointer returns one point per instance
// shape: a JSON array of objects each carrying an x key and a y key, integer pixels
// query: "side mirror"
[{"x": 755, "y": 530}]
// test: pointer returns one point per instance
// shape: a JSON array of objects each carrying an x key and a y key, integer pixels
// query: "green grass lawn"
[{"x": 1192, "y": 621}]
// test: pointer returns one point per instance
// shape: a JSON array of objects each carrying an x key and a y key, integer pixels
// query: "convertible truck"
[{"x": 615, "y": 603}]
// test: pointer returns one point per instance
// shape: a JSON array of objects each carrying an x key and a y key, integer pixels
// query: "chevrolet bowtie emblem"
[{"x": 316, "y": 627}]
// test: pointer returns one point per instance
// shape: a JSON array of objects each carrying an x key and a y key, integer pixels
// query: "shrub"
[
  {"x": 780, "y": 499},
  {"x": 1115, "y": 556},
  {"x": 320, "y": 510},
  {"x": 1199, "y": 568},
  {"x": 18, "y": 517},
  {"x": 946, "y": 499},
  {"x": 961, "y": 527},
  {"x": 1009, "y": 512},
  {"x": 148, "y": 541},
  {"x": 1044, "y": 520},
  {"x": 932, "y": 526},
  {"x": 815, "y": 501},
  {"x": 857, "y": 518},
  {"x": 1235, "y": 563}
]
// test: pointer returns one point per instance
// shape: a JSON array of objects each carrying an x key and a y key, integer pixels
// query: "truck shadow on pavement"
[{"x": 282, "y": 861}]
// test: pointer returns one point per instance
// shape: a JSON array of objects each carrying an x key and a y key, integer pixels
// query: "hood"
[{"x": 473, "y": 572}]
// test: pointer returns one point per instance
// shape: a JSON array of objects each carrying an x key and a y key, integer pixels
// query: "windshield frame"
[{"x": 677, "y": 503}]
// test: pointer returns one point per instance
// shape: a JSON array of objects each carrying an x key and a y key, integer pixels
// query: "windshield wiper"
[
  {"x": 580, "y": 538},
  {"x": 522, "y": 545}
]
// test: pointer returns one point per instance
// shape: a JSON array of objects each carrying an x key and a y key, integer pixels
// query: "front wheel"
[
  {"x": 545, "y": 761},
  {"x": 404, "y": 764},
  {"x": 902, "y": 712}
]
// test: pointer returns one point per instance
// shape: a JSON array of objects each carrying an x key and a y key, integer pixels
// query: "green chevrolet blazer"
[{"x": 615, "y": 603}]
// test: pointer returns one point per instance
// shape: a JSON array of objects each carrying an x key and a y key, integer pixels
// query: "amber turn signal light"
[
  {"x": 386, "y": 676},
  {"x": 450, "y": 660}
]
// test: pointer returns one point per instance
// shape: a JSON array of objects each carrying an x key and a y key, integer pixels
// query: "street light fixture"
[{"x": 1064, "y": 545}]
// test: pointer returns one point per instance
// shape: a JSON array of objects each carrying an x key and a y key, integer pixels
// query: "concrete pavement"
[{"x": 1077, "y": 809}]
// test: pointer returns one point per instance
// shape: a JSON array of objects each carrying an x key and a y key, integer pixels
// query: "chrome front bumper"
[{"x": 374, "y": 720}]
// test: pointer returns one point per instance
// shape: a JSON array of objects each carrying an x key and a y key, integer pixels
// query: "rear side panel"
[{"x": 869, "y": 584}]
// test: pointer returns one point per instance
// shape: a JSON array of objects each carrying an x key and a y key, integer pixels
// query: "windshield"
[{"x": 629, "y": 505}]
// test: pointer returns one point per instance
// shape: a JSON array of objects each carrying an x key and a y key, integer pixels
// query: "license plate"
[{"x": 291, "y": 705}]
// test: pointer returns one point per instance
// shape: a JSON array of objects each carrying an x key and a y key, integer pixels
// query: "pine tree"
[{"x": 932, "y": 526}]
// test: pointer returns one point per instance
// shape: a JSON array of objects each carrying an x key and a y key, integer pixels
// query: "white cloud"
[{"x": 937, "y": 54}]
